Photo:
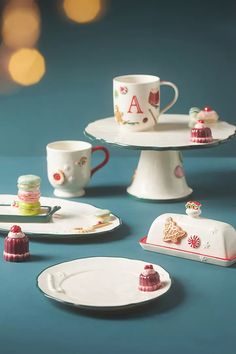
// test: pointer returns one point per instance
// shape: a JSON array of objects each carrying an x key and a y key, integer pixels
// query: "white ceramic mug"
[
  {"x": 137, "y": 101},
  {"x": 69, "y": 166}
]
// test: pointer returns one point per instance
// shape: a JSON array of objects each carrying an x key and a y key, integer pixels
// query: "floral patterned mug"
[
  {"x": 137, "y": 101},
  {"x": 69, "y": 166}
]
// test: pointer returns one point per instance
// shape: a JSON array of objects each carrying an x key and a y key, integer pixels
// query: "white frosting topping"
[
  {"x": 200, "y": 125},
  {"x": 146, "y": 272},
  {"x": 207, "y": 115},
  {"x": 16, "y": 234}
]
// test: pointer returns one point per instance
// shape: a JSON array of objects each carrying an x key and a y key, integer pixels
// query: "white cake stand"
[{"x": 159, "y": 175}]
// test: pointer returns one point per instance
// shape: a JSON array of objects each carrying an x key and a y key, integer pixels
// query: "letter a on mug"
[{"x": 134, "y": 103}]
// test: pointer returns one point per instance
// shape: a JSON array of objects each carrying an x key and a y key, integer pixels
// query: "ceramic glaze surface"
[
  {"x": 171, "y": 132},
  {"x": 69, "y": 166},
  {"x": 137, "y": 101},
  {"x": 203, "y": 239},
  {"x": 116, "y": 281},
  {"x": 156, "y": 178},
  {"x": 73, "y": 219},
  {"x": 201, "y": 297},
  {"x": 160, "y": 174}
]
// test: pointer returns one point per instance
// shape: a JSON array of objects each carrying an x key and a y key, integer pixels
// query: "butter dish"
[{"x": 193, "y": 237}]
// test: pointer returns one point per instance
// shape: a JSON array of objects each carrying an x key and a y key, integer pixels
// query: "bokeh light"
[
  {"x": 7, "y": 86},
  {"x": 83, "y": 11},
  {"x": 20, "y": 24},
  {"x": 26, "y": 66}
]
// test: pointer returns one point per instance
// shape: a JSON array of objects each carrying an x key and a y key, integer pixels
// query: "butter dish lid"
[{"x": 192, "y": 236}]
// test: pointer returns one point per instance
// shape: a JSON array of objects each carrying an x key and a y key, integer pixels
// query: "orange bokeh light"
[
  {"x": 83, "y": 11},
  {"x": 20, "y": 24},
  {"x": 7, "y": 86},
  {"x": 26, "y": 66}
]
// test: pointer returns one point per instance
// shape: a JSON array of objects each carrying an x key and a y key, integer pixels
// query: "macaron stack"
[{"x": 29, "y": 195}]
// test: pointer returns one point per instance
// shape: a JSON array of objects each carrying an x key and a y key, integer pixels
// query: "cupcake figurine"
[
  {"x": 207, "y": 114},
  {"x": 16, "y": 245},
  {"x": 149, "y": 279},
  {"x": 200, "y": 133},
  {"x": 193, "y": 209},
  {"x": 29, "y": 195}
]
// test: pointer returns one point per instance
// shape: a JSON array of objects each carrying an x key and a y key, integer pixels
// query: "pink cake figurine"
[
  {"x": 149, "y": 279},
  {"x": 208, "y": 115},
  {"x": 200, "y": 133},
  {"x": 16, "y": 245}
]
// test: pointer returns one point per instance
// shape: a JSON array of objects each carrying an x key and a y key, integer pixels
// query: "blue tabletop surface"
[{"x": 195, "y": 316}]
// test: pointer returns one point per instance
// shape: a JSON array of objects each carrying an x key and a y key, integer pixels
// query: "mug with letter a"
[{"x": 137, "y": 101}]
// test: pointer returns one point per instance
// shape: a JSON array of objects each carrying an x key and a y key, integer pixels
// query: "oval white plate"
[
  {"x": 72, "y": 215},
  {"x": 100, "y": 283}
]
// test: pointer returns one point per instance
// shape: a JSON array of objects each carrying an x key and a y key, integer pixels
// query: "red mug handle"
[{"x": 104, "y": 162}]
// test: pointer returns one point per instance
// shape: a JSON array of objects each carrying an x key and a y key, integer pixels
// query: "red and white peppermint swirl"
[{"x": 194, "y": 241}]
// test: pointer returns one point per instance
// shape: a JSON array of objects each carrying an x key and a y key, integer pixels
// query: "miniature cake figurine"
[
  {"x": 149, "y": 279},
  {"x": 192, "y": 236},
  {"x": 207, "y": 114},
  {"x": 193, "y": 209},
  {"x": 28, "y": 195},
  {"x": 16, "y": 245},
  {"x": 200, "y": 133}
]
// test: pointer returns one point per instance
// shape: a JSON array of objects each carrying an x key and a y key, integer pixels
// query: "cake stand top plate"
[{"x": 172, "y": 133}]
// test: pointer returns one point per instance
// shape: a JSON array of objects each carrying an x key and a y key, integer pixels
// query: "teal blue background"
[
  {"x": 196, "y": 316},
  {"x": 192, "y": 43}
]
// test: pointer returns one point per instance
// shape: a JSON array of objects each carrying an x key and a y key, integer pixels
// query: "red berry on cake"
[
  {"x": 207, "y": 109},
  {"x": 15, "y": 229},
  {"x": 148, "y": 266}
]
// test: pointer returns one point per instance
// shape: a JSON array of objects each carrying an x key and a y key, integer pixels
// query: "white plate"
[
  {"x": 100, "y": 283},
  {"x": 72, "y": 215},
  {"x": 172, "y": 132}
]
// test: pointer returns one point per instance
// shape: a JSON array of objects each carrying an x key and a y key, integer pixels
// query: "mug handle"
[
  {"x": 104, "y": 162},
  {"x": 168, "y": 83}
]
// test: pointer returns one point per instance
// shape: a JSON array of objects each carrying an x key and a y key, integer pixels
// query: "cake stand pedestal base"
[{"x": 159, "y": 176}]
